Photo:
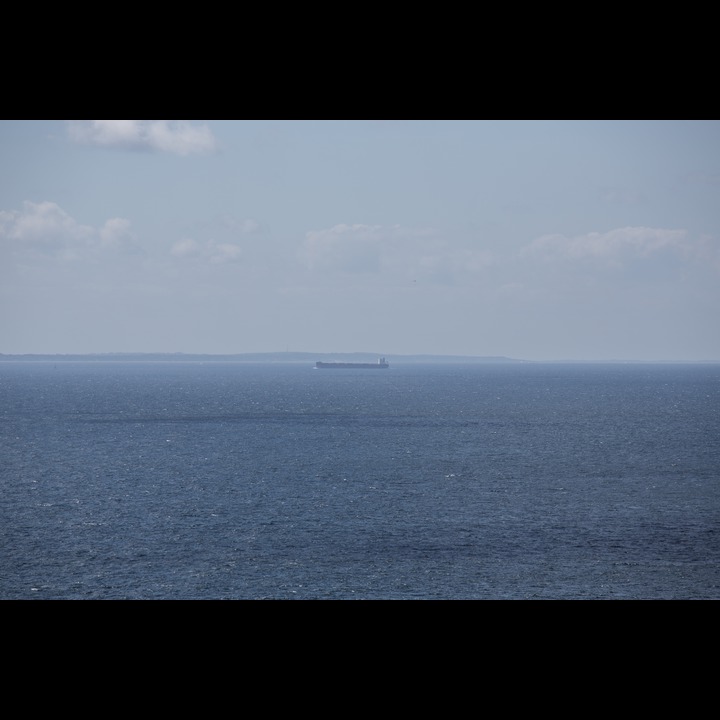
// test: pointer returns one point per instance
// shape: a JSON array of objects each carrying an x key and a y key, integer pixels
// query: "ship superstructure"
[{"x": 380, "y": 364}]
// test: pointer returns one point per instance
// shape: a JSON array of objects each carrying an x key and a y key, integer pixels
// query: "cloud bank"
[
  {"x": 44, "y": 231},
  {"x": 178, "y": 137},
  {"x": 403, "y": 252}
]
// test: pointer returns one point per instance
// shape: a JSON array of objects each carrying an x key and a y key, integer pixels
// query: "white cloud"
[
  {"x": 406, "y": 253},
  {"x": 44, "y": 230},
  {"x": 174, "y": 136},
  {"x": 185, "y": 248},
  {"x": 115, "y": 232},
  {"x": 41, "y": 222},
  {"x": 209, "y": 250},
  {"x": 611, "y": 247},
  {"x": 224, "y": 252},
  {"x": 349, "y": 248}
]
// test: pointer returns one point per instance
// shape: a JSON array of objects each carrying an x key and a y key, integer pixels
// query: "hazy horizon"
[
  {"x": 531, "y": 239},
  {"x": 305, "y": 357}
]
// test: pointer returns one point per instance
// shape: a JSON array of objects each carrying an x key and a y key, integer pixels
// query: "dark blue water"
[{"x": 216, "y": 480}]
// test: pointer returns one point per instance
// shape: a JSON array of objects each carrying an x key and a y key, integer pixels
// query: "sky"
[{"x": 545, "y": 240}]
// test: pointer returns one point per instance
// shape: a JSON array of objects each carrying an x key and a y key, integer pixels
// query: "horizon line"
[{"x": 285, "y": 353}]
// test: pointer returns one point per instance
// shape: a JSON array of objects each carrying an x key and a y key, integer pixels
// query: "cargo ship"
[{"x": 381, "y": 363}]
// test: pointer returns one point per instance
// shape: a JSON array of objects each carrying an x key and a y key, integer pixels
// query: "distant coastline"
[
  {"x": 270, "y": 357},
  {"x": 311, "y": 358}
]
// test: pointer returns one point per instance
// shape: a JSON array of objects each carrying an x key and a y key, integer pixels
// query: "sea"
[{"x": 174, "y": 480}]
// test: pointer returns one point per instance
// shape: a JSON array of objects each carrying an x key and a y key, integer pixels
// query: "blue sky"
[{"x": 541, "y": 240}]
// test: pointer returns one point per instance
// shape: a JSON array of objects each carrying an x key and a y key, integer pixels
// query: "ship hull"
[{"x": 351, "y": 366}]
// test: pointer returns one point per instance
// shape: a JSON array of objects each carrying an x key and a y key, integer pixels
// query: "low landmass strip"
[{"x": 276, "y": 357}]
